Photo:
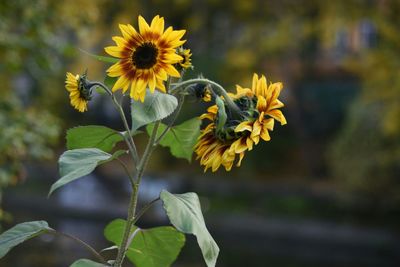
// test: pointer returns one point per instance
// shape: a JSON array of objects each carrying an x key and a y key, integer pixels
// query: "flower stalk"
[{"x": 217, "y": 88}]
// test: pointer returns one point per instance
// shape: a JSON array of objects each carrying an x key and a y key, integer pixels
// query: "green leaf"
[
  {"x": 181, "y": 138},
  {"x": 86, "y": 263},
  {"x": 110, "y": 81},
  {"x": 101, "y": 58},
  {"x": 20, "y": 233},
  {"x": 154, "y": 247},
  {"x": 155, "y": 107},
  {"x": 74, "y": 164},
  {"x": 184, "y": 212},
  {"x": 93, "y": 136},
  {"x": 222, "y": 117}
]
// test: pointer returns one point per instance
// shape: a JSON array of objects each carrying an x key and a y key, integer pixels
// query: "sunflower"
[
  {"x": 186, "y": 55},
  {"x": 78, "y": 93},
  {"x": 259, "y": 109},
  {"x": 146, "y": 57},
  {"x": 214, "y": 151}
]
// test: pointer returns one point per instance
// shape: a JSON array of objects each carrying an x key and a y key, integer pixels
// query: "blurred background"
[{"x": 324, "y": 192}]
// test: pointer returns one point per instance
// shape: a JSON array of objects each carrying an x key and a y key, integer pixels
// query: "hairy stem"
[
  {"x": 219, "y": 90},
  {"x": 131, "y": 219},
  {"x": 128, "y": 227}
]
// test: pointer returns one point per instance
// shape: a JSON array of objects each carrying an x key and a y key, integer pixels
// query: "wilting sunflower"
[
  {"x": 78, "y": 94},
  {"x": 146, "y": 57},
  {"x": 259, "y": 108},
  {"x": 186, "y": 55},
  {"x": 212, "y": 150}
]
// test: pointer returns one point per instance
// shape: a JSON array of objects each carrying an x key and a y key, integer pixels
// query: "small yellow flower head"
[
  {"x": 79, "y": 93},
  {"x": 259, "y": 109},
  {"x": 186, "y": 55},
  {"x": 146, "y": 57}
]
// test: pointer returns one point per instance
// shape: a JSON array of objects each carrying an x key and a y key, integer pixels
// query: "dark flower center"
[{"x": 145, "y": 56}]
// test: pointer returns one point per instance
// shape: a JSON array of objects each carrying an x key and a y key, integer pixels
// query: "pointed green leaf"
[
  {"x": 101, "y": 58},
  {"x": 86, "y": 263},
  {"x": 154, "y": 247},
  {"x": 20, "y": 233},
  {"x": 93, "y": 136},
  {"x": 74, "y": 164},
  {"x": 185, "y": 214},
  {"x": 156, "y": 106},
  {"x": 181, "y": 138}
]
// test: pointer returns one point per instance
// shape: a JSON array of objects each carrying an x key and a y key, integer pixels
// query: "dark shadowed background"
[{"x": 324, "y": 191}]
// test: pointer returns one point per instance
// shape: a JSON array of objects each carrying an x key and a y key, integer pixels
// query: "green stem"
[
  {"x": 128, "y": 227},
  {"x": 84, "y": 244},
  {"x": 219, "y": 90},
  {"x": 129, "y": 139},
  {"x": 131, "y": 219}
]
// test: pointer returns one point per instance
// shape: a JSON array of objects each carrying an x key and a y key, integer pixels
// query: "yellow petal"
[
  {"x": 114, "y": 51},
  {"x": 176, "y": 35},
  {"x": 249, "y": 143},
  {"x": 255, "y": 81},
  {"x": 121, "y": 42},
  {"x": 264, "y": 134},
  {"x": 143, "y": 26},
  {"x": 173, "y": 58},
  {"x": 157, "y": 25},
  {"x": 115, "y": 70},
  {"x": 160, "y": 85},
  {"x": 255, "y": 134},
  {"x": 241, "y": 156},
  {"x": 152, "y": 82},
  {"x": 121, "y": 83},
  {"x": 172, "y": 71},
  {"x": 244, "y": 126},
  {"x": 261, "y": 103},
  {"x": 213, "y": 109},
  {"x": 277, "y": 115}
]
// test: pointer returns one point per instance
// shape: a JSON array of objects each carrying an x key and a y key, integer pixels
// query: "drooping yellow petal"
[
  {"x": 244, "y": 126},
  {"x": 277, "y": 115},
  {"x": 241, "y": 156}
]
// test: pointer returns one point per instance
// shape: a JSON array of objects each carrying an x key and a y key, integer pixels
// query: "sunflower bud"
[{"x": 186, "y": 55}]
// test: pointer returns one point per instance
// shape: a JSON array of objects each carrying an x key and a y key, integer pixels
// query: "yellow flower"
[
  {"x": 259, "y": 109},
  {"x": 186, "y": 62},
  {"x": 146, "y": 57},
  {"x": 214, "y": 152},
  {"x": 78, "y": 95},
  {"x": 267, "y": 108}
]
